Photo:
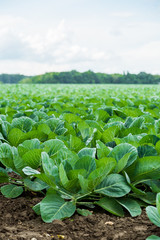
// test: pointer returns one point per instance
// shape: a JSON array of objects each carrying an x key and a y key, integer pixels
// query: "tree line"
[{"x": 82, "y": 78}]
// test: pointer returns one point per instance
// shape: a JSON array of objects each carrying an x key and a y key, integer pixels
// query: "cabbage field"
[{"x": 81, "y": 146}]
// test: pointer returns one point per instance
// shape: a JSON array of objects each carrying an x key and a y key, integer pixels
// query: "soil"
[{"x": 19, "y": 222}]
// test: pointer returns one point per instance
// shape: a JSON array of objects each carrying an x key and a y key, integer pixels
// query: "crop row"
[{"x": 81, "y": 148}]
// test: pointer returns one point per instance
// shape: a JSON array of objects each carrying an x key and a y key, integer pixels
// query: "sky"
[{"x": 109, "y": 36}]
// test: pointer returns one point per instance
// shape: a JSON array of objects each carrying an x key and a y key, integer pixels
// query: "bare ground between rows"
[{"x": 19, "y": 222}]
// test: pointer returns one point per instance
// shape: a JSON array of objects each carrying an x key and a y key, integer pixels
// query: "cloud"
[
  {"x": 122, "y": 14},
  {"x": 54, "y": 45}
]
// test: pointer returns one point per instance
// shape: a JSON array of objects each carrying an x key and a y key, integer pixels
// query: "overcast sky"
[{"x": 111, "y": 36}]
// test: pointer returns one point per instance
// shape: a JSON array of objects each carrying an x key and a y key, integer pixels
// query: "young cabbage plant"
[
  {"x": 83, "y": 184},
  {"x": 14, "y": 160}
]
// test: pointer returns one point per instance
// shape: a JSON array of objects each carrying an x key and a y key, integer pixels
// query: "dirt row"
[{"x": 19, "y": 222}]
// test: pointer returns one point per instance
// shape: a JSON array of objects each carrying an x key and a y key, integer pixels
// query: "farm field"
[{"x": 85, "y": 154}]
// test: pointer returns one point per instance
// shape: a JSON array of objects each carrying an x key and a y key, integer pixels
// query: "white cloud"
[{"x": 55, "y": 49}]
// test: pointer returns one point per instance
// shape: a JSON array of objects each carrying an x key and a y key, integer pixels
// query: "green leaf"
[
  {"x": 75, "y": 143},
  {"x": 119, "y": 151},
  {"x": 100, "y": 173},
  {"x": 107, "y": 163},
  {"x": 131, "y": 205},
  {"x": 88, "y": 163},
  {"x": 36, "y": 208},
  {"x": 153, "y": 215},
  {"x": 145, "y": 168},
  {"x": 4, "y": 178},
  {"x": 91, "y": 152},
  {"x": 158, "y": 202},
  {"x": 54, "y": 207},
  {"x": 84, "y": 212},
  {"x": 15, "y": 136},
  {"x": 6, "y": 155},
  {"x": 102, "y": 149},
  {"x": 33, "y": 158},
  {"x": 28, "y": 145},
  {"x": 109, "y": 134},
  {"x": 73, "y": 174},
  {"x": 149, "y": 139},
  {"x": 83, "y": 183},
  {"x": 158, "y": 147},
  {"x": 63, "y": 176},
  {"x": 111, "y": 205},
  {"x": 30, "y": 171},
  {"x": 11, "y": 191},
  {"x": 35, "y": 185},
  {"x": 49, "y": 167},
  {"x": 23, "y": 123},
  {"x": 101, "y": 115},
  {"x": 53, "y": 146},
  {"x": 146, "y": 150},
  {"x": 114, "y": 185},
  {"x": 70, "y": 118},
  {"x": 153, "y": 237},
  {"x": 122, "y": 163}
]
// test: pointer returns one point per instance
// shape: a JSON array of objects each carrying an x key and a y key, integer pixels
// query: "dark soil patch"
[{"x": 19, "y": 222}]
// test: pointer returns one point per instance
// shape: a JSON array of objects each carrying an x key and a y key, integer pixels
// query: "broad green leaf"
[
  {"x": 149, "y": 139},
  {"x": 53, "y": 146},
  {"x": 44, "y": 128},
  {"x": 28, "y": 145},
  {"x": 145, "y": 168},
  {"x": 100, "y": 173},
  {"x": 153, "y": 215},
  {"x": 146, "y": 150},
  {"x": 137, "y": 122},
  {"x": 35, "y": 185},
  {"x": 70, "y": 118},
  {"x": 15, "y": 136},
  {"x": 11, "y": 191},
  {"x": 111, "y": 205},
  {"x": 106, "y": 162},
  {"x": 33, "y": 158},
  {"x": 114, "y": 185},
  {"x": 101, "y": 115},
  {"x": 131, "y": 205},
  {"x": 23, "y": 123},
  {"x": 119, "y": 151},
  {"x": 109, "y": 134},
  {"x": 148, "y": 197},
  {"x": 88, "y": 163},
  {"x": 54, "y": 207},
  {"x": 75, "y": 143}
]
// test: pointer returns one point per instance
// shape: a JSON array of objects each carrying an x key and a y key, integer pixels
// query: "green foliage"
[
  {"x": 81, "y": 148},
  {"x": 154, "y": 215}
]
